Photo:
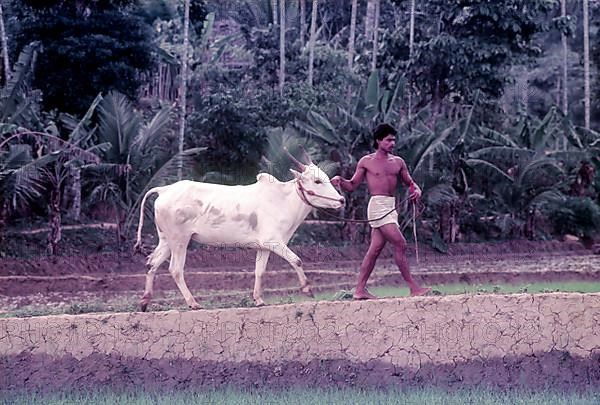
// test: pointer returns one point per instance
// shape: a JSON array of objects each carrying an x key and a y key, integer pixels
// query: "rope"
[
  {"x": 414, "y": 221},
  {"x": 302, "y": 193}
]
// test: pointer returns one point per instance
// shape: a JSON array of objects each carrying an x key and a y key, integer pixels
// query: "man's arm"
[
  {"x": 354, "y": 182},
  {"x": 413, "y": 189}
]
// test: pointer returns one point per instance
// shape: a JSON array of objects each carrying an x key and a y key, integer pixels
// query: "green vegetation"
[
  {"x": 311, "y": 396},
  {"x": 487, "y": 99},
  {"x": 533, "y": 288},
  {"x": 241, "y": 299}
]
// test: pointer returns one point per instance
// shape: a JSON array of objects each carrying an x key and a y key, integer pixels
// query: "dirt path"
[
  {"x": 313, "y": 257},
  {"x": 102, "y": 291}
]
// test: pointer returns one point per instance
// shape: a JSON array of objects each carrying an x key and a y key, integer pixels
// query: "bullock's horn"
[
  {"x": 302, "y": 166},
  {"x": 305, "y": 155}
]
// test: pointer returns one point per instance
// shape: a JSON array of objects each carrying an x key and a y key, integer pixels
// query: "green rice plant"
[{"x": 298, "y": 396}]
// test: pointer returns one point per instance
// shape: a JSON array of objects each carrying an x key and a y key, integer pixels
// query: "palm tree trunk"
[
  {"x": 586, "y": 63},
  {"x": 4, "y": 40},
  {"x": 183, "y": 85},
  {"x": 55, "y": 234},
  {"x": 565, "y": 46},
  {"x": 281, "y": 46},
  {"x": 302, "y": 21},
  {"x": 274, "y": 10},
  {"x": 352, "y": 34},
  {"x": 375, "y": 36},
  {"x": 3, "y": 217},
  {"x": 369, "y": 20},
  {"x": 313, "y": 38},
  {"x": 411, "y": 44}
]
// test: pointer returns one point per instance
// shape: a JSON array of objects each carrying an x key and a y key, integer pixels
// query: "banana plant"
[
  {"x": 33, "y": 162},
  {"x": 522, "y": 171},
  {"x": 435, "y": 154}
]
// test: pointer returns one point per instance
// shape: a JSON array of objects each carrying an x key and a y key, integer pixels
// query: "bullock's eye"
[{"x": 318, "y": 181}]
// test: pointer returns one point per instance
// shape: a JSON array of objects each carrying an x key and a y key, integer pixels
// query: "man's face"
[{"x": 387, "y": 143}]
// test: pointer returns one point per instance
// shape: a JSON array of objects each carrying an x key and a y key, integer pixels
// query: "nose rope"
[{"x": 302, "y": 193}]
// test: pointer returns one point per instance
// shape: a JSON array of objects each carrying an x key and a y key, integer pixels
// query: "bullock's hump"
[{"x": 266, "y": 178}]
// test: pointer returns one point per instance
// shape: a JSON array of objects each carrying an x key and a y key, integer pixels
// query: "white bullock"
[{"x": 263, "y": 215}]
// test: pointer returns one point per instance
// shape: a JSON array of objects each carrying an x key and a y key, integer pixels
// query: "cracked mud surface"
[
  {"x": 511, "y": 341},
  {"x": 459, "y": 341}
]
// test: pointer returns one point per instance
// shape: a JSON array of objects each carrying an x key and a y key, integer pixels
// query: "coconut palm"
[
  {"x": 4, "y": 42},
  {"x": 133, "y": 152},
  {"x": 586, "y": 63},
  {"x": 139, "y": 156},
  {"x": 351, "y": 41},
  {"x": 312, "y": 41}
]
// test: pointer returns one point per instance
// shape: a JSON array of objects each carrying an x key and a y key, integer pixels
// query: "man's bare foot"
[
  {"x": 363, "y": 295},
  {"x": 419, "y": 291}
]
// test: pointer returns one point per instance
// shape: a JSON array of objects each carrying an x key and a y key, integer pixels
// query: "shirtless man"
[{"x": 382, "y": 170}]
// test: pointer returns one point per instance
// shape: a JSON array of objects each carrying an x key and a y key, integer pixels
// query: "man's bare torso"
[{"x": 382, "y": 173}]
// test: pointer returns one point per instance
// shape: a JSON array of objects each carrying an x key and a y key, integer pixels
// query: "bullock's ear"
[{"x": 296, "y": 174}]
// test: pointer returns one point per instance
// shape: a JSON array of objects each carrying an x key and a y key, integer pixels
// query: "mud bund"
[{"x": 455, "y": 341}]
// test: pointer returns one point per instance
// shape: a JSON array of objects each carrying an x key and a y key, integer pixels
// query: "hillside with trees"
[{"x": 497, "y": 106}]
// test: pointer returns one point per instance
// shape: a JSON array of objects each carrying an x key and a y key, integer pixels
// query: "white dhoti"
[{"x": 382, "y": 211}]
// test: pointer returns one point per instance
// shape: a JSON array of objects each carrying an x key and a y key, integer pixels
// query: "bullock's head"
[{"x": 315, "y": 187}]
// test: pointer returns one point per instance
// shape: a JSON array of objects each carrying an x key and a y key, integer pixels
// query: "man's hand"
[
  {"x": 336, "y": 181},
  {"x": 414, "y": 192}
]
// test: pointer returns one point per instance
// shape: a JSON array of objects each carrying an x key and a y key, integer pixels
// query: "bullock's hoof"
[
  {"x": 306, "y": 290},
  {"x": 259, "y": 303},
  {"x": 146, "y": 298},
  {"x": 195, "y": 305}
]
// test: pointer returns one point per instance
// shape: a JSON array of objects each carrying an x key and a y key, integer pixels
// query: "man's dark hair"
[{"x": 381, "y": 131}]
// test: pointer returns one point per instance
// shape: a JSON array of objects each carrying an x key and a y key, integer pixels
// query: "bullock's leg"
[
  {"x": 262, "y": 256},
  {"x": 156, "y": 258},
  {"x": 178, "y": 253},
  {"x": 292, "y": 258}
]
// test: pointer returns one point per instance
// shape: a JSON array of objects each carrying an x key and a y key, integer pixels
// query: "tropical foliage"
[{"x": 477, "y": 91}]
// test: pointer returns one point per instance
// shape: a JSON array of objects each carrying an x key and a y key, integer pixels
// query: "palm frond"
[
  {"x": 106, "y": 192},
  {"x": 119, "y": 124},
  {"x": 484, "y": 166},
  {"x": 548, "y": 197},
  {"x": 431, "y": 145},
  {"x": 151, "y": 132},
  {"x": 25, "y": 181},
  {"x": 78, "y": 135},
  {"x": 502, "y": 155},
  {"x": 539, "y": 168},
  {"x": 495, "y": 138},
  {"x": 542, "y": 133},
  {"x": 11, "y": 93},
  {"x": 166, "y": 174}
]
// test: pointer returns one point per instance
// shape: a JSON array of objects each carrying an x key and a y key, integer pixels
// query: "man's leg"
[
  {"x": 367, "y": 265},
  {"x": 392, "y": 234}
]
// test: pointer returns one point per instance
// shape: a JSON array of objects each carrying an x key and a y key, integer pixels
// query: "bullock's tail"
[{"x": 138, "y": 242}]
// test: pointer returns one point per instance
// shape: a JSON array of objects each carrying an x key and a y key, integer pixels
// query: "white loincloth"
[{"x": 380, "y": 205}]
